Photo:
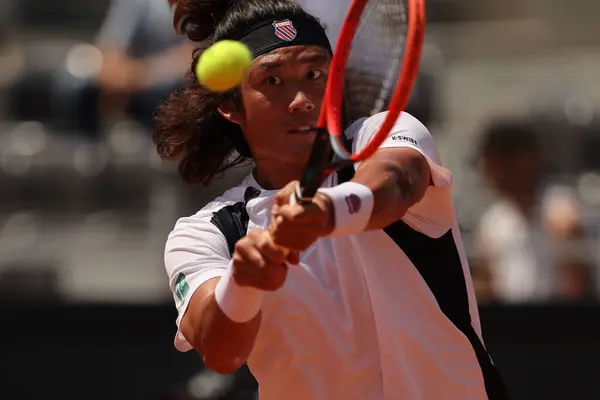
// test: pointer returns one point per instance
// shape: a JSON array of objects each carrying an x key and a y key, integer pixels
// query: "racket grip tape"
[{"x": 298, "y": 198}]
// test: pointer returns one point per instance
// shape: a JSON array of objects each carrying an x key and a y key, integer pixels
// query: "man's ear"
[{"x": 230, "y": 111}]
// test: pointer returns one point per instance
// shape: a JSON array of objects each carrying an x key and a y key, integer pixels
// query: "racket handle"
[{"x": 298, "y": 197}]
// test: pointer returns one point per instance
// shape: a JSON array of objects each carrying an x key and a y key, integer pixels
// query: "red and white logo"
[
  {"x": 285, "y": 30},
  {"x": 354, "y": 203}
]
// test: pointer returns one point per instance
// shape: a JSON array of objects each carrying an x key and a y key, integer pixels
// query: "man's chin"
[
  {"x": 289, "y": 160},
  {"x": 299, "y": 159}
]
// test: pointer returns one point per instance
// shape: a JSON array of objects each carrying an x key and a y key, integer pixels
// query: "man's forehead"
[{"x": 302, "y": 54}]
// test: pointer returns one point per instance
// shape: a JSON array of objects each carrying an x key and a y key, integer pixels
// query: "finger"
[
  {"x": 276, "y": 224},
  {"x": 282, "y": 230},
  {"x": 299, "y": 213},
  {"x": 281, "y": 227},
  {"x": 250, "y": 256},
  {"x": 291, "y": 212},
  {"x": 285, "y": 234},
  {"x": 294, "y": 236},
  {"x": 246, "y": 276},
  {"x": 283, "y": 197},
  {"x": 274, "y": 210},
  {"x": 273, "y": 276},
  {"x": 297, "y": 244},
  {"x": 269, "y": 250}
]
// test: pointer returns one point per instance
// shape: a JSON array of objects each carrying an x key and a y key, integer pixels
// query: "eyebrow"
[{"x": 303, "y": 59}]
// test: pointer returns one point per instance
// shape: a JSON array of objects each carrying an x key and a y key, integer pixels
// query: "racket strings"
[{"x": 375, "y": 58}]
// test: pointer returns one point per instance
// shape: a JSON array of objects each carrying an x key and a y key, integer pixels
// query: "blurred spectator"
[
  {"x": 7, "y": 28},
  {"x": 521, "y": 236},
  {"x": 574, "y": 280},
  {"x": 142, "y": 62},
  {"x": 5, "y": 21}
]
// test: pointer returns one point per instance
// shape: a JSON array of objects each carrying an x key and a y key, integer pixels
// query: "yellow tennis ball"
[{"x": 223, "y": 66}]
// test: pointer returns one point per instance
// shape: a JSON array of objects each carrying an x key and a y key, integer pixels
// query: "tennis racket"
[{"x": 374, "y": 67}]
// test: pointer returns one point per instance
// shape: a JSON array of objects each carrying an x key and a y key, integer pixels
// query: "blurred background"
[{"x": 510, "y": 90}]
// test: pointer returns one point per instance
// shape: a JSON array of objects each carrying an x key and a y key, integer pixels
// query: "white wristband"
[
  {"x": 238, "y": 303},
  {"x": 352, "y": 206}
]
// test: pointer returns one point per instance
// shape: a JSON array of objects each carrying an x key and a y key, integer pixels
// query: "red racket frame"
[{"x": 330, "y": 129}]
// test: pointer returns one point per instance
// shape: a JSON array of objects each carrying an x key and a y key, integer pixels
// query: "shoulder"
[
  {"x": 407, "y": 131},
  {"x": 202, "y": 227},
  {"x": 405, "y": 122}
]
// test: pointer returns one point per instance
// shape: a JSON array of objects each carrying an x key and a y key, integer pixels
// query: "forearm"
[
  {"x": 130, "y": 75},
  {"x": 172, "y": 63},
  {"x": 381, "y": 192},
  {"x": 223, "y": 344},
  {"x": 397, "y": 184}
]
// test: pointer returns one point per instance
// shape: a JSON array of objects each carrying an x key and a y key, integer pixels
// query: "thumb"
[{"x": 283, "y": 196}]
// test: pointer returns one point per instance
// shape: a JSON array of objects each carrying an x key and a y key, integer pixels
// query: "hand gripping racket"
[{"x": 373, "y": 69}]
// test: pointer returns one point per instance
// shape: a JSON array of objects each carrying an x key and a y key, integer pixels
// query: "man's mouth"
[{"x": 303, "y": 130}]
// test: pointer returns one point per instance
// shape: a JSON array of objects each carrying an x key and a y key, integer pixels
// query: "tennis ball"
[{"x": 223, "y": 65}]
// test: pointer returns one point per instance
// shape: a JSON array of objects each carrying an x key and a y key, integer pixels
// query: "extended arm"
[
  {"x": 219, "y": 297},
  {"x": 404, "y": 180},
  {"x": 223, "y": 344}
]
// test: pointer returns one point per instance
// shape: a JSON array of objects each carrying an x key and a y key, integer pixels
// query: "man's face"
[
  {"x": 515, "y": 173},
  {"x": 282, "y": 97}
]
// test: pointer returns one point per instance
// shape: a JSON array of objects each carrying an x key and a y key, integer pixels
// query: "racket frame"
[{"x": 330, "y": 129}]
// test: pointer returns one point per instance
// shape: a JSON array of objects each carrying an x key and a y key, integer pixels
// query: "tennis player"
[{"x": 375, "y": 301}]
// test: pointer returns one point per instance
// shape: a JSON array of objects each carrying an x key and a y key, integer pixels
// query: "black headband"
[{"x": 274, "y": 33}]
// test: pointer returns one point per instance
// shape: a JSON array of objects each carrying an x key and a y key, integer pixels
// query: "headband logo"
[{"x": 285, "y": 30}]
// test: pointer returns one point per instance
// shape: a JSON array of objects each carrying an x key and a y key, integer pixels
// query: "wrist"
[
  {"x": 239, "y": 303},
  {"x": 325, "y": 203},
  {"x": 352, "y": 205}
]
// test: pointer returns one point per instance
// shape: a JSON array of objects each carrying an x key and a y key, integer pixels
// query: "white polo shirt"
[{"x": 386, "y": 314}]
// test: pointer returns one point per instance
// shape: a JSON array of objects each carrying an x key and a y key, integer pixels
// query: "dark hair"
[
  {"x": 189, "y": 128},
  {"x": 504, "y": 138}
]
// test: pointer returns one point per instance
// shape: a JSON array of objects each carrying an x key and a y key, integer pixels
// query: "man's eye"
[
  {"x": 316, "y": 74},
  {"x": 273, "y": 80}
]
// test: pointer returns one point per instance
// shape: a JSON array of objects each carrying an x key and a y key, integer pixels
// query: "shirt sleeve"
[
  {"x": 195, "y": 252},
  {"x": 434, "y": 214},
  {"x": 120, "y": 24}
]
